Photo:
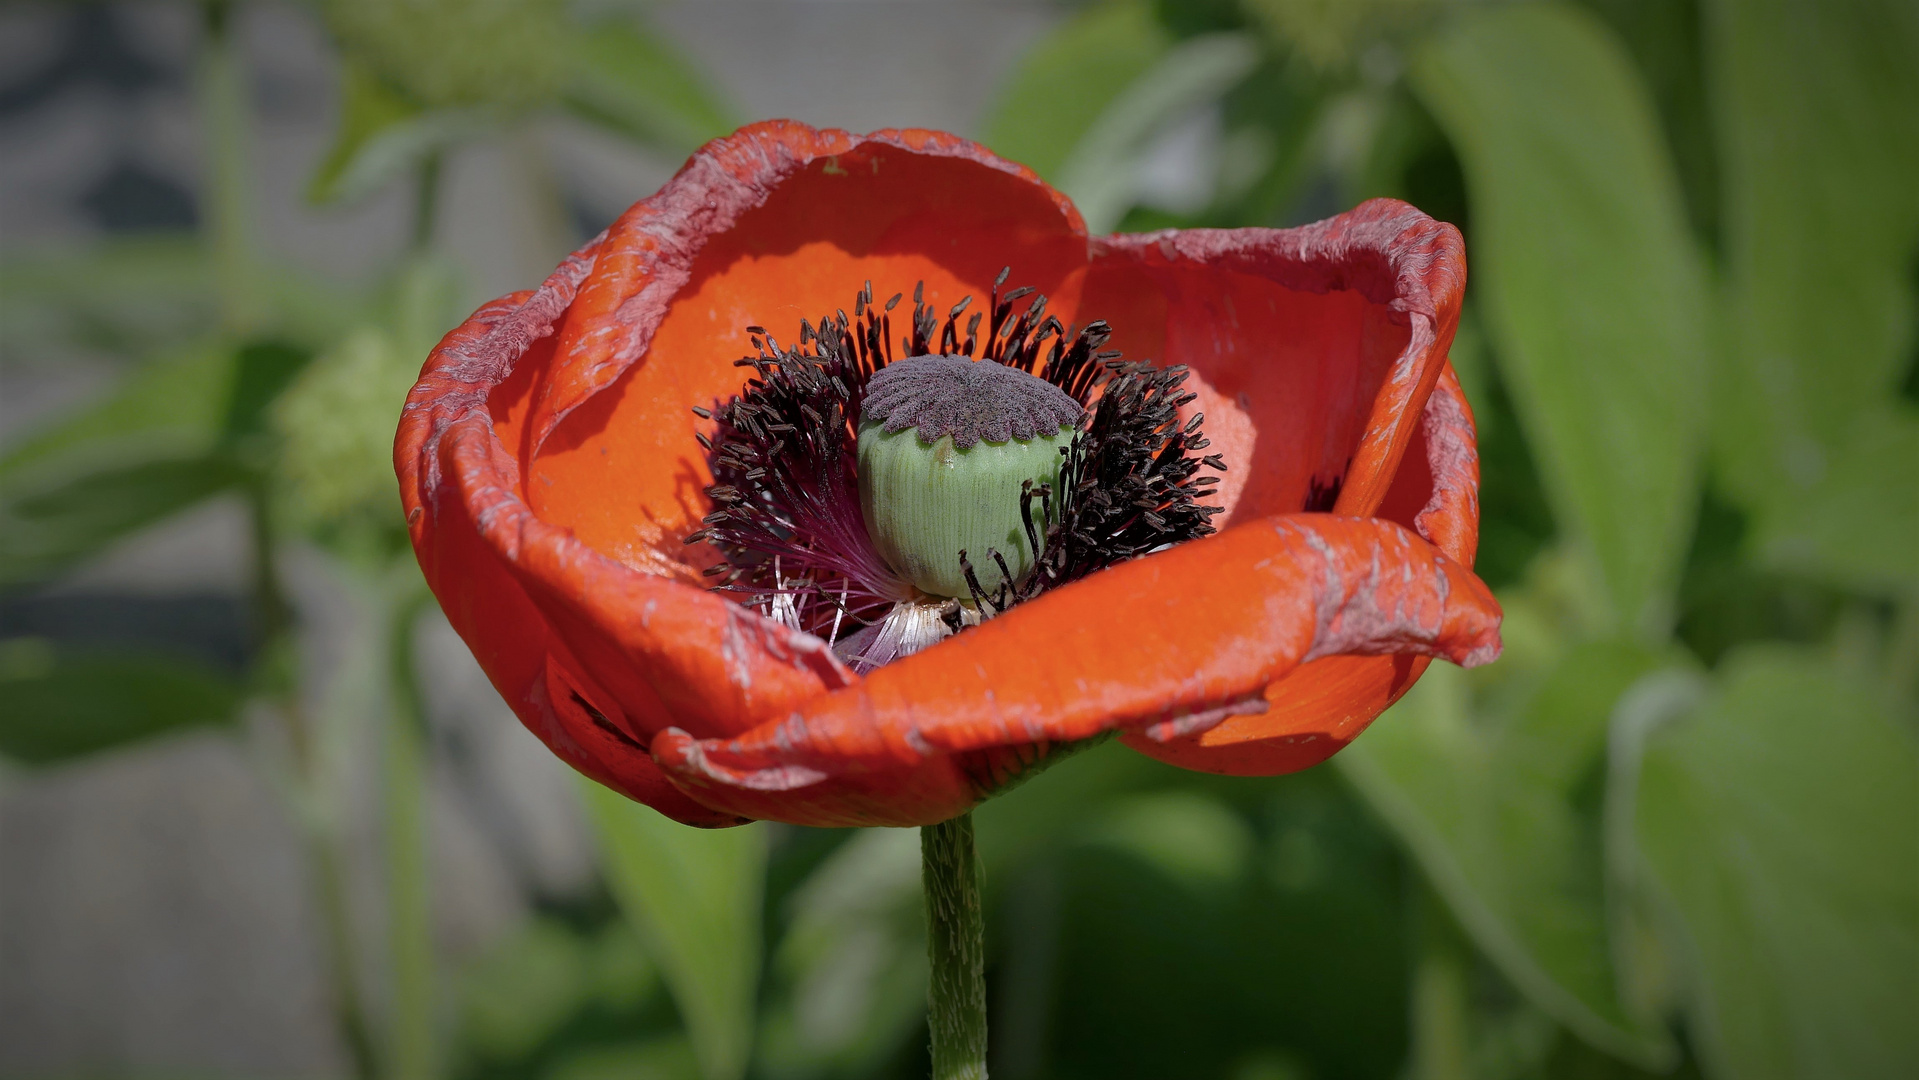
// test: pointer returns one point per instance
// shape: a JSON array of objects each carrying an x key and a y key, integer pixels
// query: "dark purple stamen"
[
  {"x": 786, "y": 501},
  {"x": 1128, "y": 487}
]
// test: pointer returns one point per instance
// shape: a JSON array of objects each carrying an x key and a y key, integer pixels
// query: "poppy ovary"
[{"x": 947, "y": 448}]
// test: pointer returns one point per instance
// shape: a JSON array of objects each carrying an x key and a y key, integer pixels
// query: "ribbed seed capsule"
[
  {"x": 927, "y": 502},
  {"x": 945, "y": 444}
]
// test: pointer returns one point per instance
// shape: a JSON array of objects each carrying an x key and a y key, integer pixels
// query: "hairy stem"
[{"x": 956, "y": 950}]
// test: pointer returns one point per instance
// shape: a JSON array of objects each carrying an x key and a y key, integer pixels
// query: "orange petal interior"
[
  {"x": 623, "y": 470},
  {"x": 1285, "y": 378}
]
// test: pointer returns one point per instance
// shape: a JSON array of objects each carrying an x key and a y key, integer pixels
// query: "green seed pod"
[
  {"x": 945, "y": 445},
  {"x": 927, "y": 502}
]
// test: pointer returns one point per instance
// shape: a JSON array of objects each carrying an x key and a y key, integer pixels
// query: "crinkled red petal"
[
  {"x": 1162, "y": 645},
  {"x": 1323, "y": 705},
  {"x": 1314, "y": 348},
  {"x": 477, "y": 586}
]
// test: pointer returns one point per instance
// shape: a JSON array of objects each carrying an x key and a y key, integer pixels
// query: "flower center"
[
  {"x": 946, "y": 443},
  {"x": 884, "y": 503}
]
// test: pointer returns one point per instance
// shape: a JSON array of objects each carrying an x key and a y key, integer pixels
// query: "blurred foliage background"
[{"x": 1675, "y": 831}]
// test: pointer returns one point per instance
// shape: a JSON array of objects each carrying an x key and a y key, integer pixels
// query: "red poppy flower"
[{"x": 551, "y": 470}]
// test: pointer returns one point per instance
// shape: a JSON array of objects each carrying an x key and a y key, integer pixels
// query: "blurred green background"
[{"x": 260, "y": 817}]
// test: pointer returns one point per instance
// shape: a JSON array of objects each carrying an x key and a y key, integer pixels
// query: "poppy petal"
[
  {"x": 1180, "y": 640},
  {"x": 1323, "y": 705},
  {"x": 660, "y": 651},
  {"x": 1313, "y": 348},
  {"x": 475, "y": 586}
]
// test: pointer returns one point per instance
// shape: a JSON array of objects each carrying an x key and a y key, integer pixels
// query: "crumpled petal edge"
[{"x": 1365, "y": 587}]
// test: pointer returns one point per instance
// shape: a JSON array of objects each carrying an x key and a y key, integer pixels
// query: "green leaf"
[
  {"x": 1108, "y": 967},
  {"x": 852, "y": 963},
  {"x": 55, "y": 708},
  {"x": 1858, "y": 524},
  {"x": 628, "y": 80},
  {"x": 45, "y": 530},
  {"x": 401, "y": 149},
  {"x": 1034, "y": 819},
  {"x": 1818, "y": 107},
  {"x": 127, "y": 295},
  {"x": 369, "y": 111},
  {"x": 157, "y": 445},
  {"x": 506, "y": 59},
  {"x": 1191, "y": 838},
  {"x": 1329, "y": 37},
  {"x": 1457, "y": 1032},
  {"x": 1065, "y": 82},
  {"x": 1101, "y": 174},
  {"x": 1274, "y": 141},
  {"x": 668, "y": 1058},
  {"x": 522, "y": 989},
  {"x": 383, "y": 136},
  {"x": 1780, "y": 822},
  {"x": 1590, "y": 283},
  {"x": 176, "y": 405},
  {"x": 154, "y": 447},
  {"x": 695, "y": 897},
  {"x": 1498, "y": 809},
  {"x": 262, "y": 370}
]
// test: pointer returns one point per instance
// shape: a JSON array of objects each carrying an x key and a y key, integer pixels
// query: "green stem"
[
  {"x": 223, "y": 105},
  {"x": 410, "y": 924},
  {"x": 956, "y": 950},
  {"x": 272, "y": 611},
  {"x": 273, "y": 614},
  {"x": 1902, "y": 649},
  {"x": 230, "y": 209},
  {"x": 349, "y": 1013},
  {"x": 1440, "y": 1006}
]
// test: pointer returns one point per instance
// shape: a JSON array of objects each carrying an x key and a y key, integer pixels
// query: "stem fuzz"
[{"x": 956, "y": 950}]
